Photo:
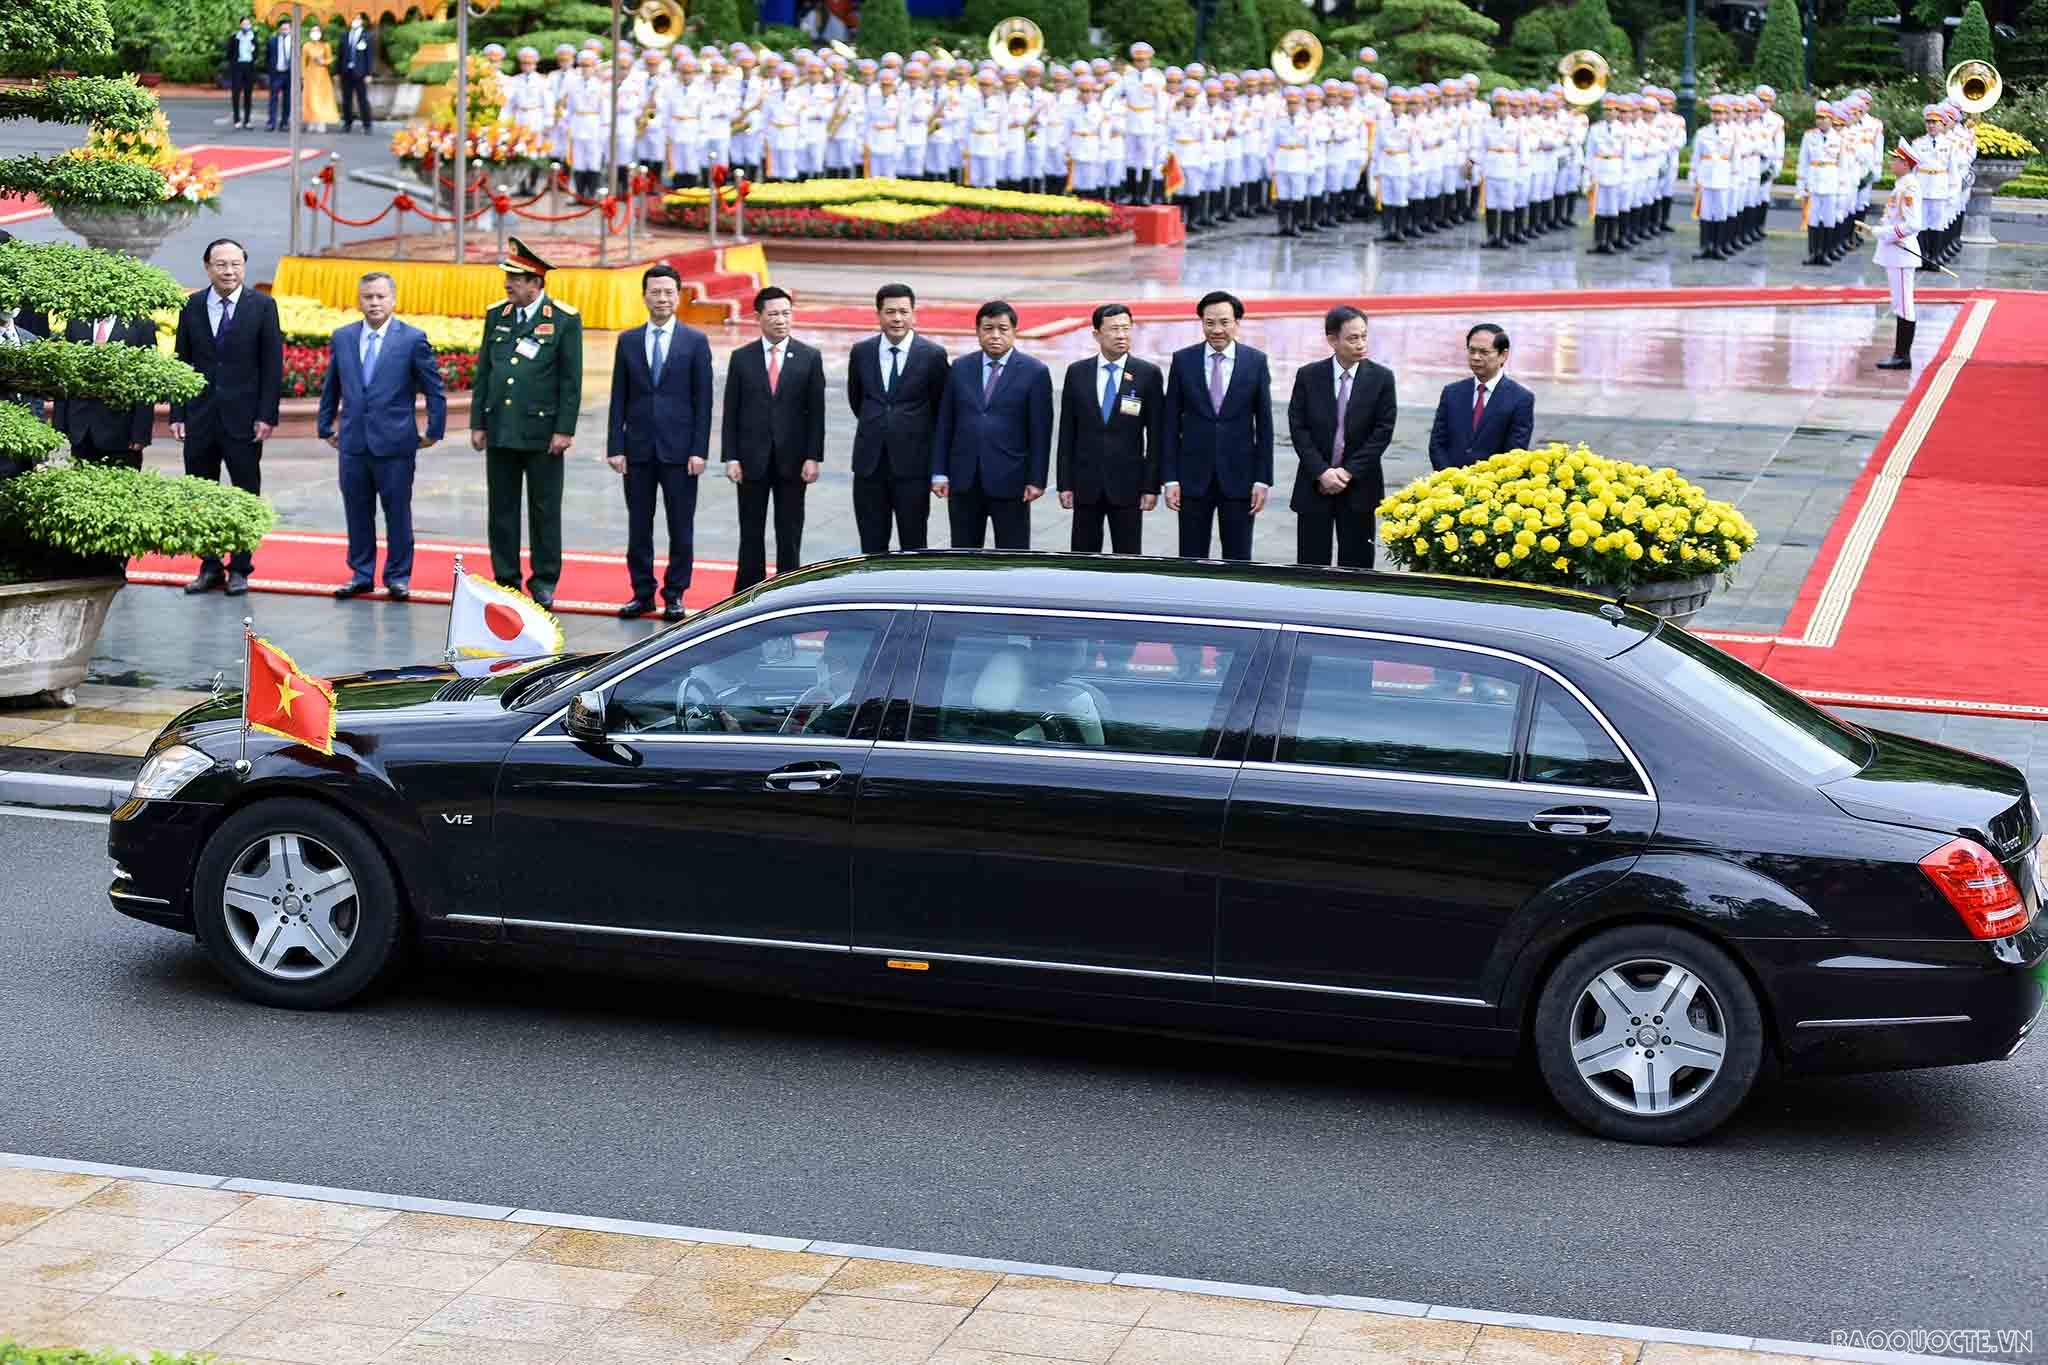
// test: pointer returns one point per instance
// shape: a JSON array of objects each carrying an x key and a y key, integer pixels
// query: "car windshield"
[{"x": 1772, "y": 722}]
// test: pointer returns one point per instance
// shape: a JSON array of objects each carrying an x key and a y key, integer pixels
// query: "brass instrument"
[
  {"x": 1015, "y": 42},
  {"x": 840, "y": 113},
  {"x": 942, "y": 54},
  {"x": 741, "y": 119},
  {"x": 658, "y": 23},
  {"x": 844, "y": 49},
  {"x": 1584, "y": 74},
  {"x": 1975, "y": 87},
  {"x": 1297, "y": 57}
]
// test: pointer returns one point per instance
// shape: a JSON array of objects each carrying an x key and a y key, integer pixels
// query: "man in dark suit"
[
  {"x": 994, "y": 438},
  {"x": 244, "y": 46},
  {"x": 1480, "y": 417},
  {"x": 358, "y": 58},
  {"x": 1218, "y": 463},
  {"x": 660, "y": 436},
  {"x": 773, "y": 436},
  {"x": 377, "y": 371},
  {"x": 1112, "y": 424},
  {"x": 894, "y": 382},
  {"x": 103, "y": 434},
  {"x": 229, "y": 333},
  {"x": 1340, "y": 418},
  {"x": 279, "y": 55}
]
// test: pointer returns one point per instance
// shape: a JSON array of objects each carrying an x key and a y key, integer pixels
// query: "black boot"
[
  {"x": 1664, "y": 220},
  {"x": 1390, "y": 229},
  {"x": 1493, "y": 241},
  {"x": 1603, "y": 244},
  {"x": 1706, "y": 251},
  {"x": 1812, "y": 247},
  {"x": 1901, "y": 357},
  {"x": 1286, "y": 223},
  {"x": 1324, "y": 217}
]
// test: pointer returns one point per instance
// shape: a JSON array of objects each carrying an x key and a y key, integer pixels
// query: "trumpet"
[
  {"x": 1014, "y": 42},
  {"x": 1975, "y": 87},
  {"x": 1297, "y": 57},
  {"x": 1584, "y": 74}
]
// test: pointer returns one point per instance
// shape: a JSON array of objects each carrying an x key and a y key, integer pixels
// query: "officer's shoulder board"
[{"x": 566, "y": 308}]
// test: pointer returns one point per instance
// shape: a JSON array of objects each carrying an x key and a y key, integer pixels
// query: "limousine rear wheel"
[
  {"x": 296, "y": 905},
  {"x": 1647, "y": 1033}
]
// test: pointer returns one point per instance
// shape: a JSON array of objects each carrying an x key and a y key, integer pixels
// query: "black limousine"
[{"x": 1384, "y": 812}]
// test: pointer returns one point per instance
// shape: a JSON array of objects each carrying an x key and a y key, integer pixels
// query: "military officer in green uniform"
[{"x": 528, "y": 386}]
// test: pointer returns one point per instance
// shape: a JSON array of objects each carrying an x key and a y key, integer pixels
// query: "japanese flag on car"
[{"x": 486, "y": 621}]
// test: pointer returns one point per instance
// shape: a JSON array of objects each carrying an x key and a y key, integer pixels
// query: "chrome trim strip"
[
  {"x": 649, "y": 662},
  {"x": 561, "y": 927},
  {"x": 491, "y": 920},
  {"x": 1115, "y": 756},
  {"x": 1642, "y": 775},
  {"x": 1493, "y": 783},
  {"x": 1081, "y": 613},
  {"x": 1886, "y": 1023},
  {"x": 816, "y": 741},
  {"x": 139, "y": 899},
  {"x": 1350, "y": 990},
  {"x": 922, "y": 956}
]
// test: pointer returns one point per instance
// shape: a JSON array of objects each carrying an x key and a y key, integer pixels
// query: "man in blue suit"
[
  {"x": 1218, "y": 465},
  {"x": 1480, "y": 417},
  {"x": 358, "y": 61},
  {"x": 377, "y": 370},
  {"x": 992, "y": 450},
  {"x": 660, "y": 436},
  {"x": 278, "y": 55}
]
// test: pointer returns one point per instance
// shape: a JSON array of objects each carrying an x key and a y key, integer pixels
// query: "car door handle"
[
  {"x": 804, "y": 777},
  {"x": 1571, "y": 820}
]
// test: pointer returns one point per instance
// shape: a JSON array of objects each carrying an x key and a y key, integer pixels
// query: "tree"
[
  {"x": 2027, "y": 59},
  {"x": 1588, "y": 24},
  {"x": 1536, "y": 44},
  {"x": 1433, "y": 38},
  {"x": 884, "y": 27},
  {"x": 1712, "y": 48},
  {"x": 1169, "y": 25},
  {"x": 1066, "y": 27},
  {"x": 1237, "y": 37},
  {"x": 715, "y": 21},
  {"x": 1857, "y": 51},
  {"x": 1780, "y": 52},
  {"x": 1972, "y": 42}
]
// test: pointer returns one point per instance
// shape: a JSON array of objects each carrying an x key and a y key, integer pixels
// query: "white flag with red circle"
[{"x": 487, "y": 620}]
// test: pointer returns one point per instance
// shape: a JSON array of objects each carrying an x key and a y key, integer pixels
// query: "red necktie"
[
  {"x": 1478, "y": 406},
  {"x": 774, "y": 368},
  {"x": 100, "y": 330}
]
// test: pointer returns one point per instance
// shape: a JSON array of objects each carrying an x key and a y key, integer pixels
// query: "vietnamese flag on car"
[{"x": 282, "y": 699}]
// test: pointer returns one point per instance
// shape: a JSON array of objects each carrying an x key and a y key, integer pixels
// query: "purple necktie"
[
  {"x": 1216, "y": 381},
  {"x": 1343, "y": 402},
  {"x": 988, "y": 386},
  {"x": 227, "y": 314}
]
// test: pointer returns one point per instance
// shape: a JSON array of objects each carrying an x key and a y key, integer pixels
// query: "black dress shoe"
[
  {"x": 397, "y": 592},
  {"x": 639, "y": 606},
  {"x": 672, "y": 612},
  {"x": 544, "y": 600},
  {"x": 204, "y": 582},
  {"x": 348, "y": 590},
  {"x": 237, "y": 584}
]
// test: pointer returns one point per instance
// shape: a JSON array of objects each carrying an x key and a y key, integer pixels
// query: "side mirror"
[{"x": 585, "y": 720}]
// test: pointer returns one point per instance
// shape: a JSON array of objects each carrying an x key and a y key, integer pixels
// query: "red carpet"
[
  {"x": 229, "y": 161},
  {"x": 314, "y": 564},
  {"x": 1928, "y": 593},
  {"x": 1047, "y": 319}
]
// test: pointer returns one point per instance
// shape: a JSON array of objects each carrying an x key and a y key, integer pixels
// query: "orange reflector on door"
[{"x": 903, "y": 964}]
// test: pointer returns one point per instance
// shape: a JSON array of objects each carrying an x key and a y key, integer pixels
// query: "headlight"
[{"x": 167, "y": 772}]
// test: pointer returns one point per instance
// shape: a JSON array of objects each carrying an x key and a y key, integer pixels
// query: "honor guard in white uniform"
[
  {"x": 588, "y": 105},
  {"x": 558, "y": 100},
  {"x": 1607, "y": 159},
  {"x": 784, "y": 111},
  {"x": 1819, "y": 186},
  {"x": 527, "y": 101},
  {"x": 1898, "y": 241},
  {"x": 658, "y": 78},
  {"x": 1290, "y": 163},
  {"x": 1931, "y": 156},
  {"x": 1713, "y": 180},
  {"x": 885, "y": 125},
  {"x": 1500, "y": 168},
  {"x": 749, "y": 135},
  {"x": 1394, "y": 161},
  {"x": 1141, "y": 90},
  {"x": 684, "y": 160}
]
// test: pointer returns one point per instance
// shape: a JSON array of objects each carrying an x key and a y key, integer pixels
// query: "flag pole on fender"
[
  {"x": 454, "y": 588},
  {"x": 248, "y": 678}
]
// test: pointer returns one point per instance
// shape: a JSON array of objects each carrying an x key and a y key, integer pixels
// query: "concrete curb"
[
  {"x": 56, "y": 791},
  {"x": 499, "y": 1213}
]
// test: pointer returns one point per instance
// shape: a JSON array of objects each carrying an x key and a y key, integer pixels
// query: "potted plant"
[
  {"x": 1570, "y": 518},
  {"x": 67, "y": 529}
]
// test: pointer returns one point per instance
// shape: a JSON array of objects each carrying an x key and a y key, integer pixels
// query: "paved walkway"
[{"x": 262, "y": 1275}]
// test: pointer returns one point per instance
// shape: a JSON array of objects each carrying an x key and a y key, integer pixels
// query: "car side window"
[
  {"x": 1382, "y": 704},
  {"x": 1049, "y": 682},
  {"x": 792, "y": 676},
  {"x": 1568, "y": 747}
]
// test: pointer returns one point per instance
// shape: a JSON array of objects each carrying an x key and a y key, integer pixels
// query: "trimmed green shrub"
[
  {"x": 79, "y": 282},
  {"x": 1780, "y": 52},
  {"x": 97, "y": 99},
  {"x": 1857, "y": 51},
  {"x": 1065, "y": 23},
  {"x": 885, "y": 27},
  {"x": 1435, "y": 38},
  {"x": 1589, "y": 24},
  {"x": 53, "y": 31},
  {"x": 716, "y": 21},
  {"x": 112, "y": 184},
  {"x": 401, "y": 41},
  {"x": 1972, "y": 41},
  {"x": 1665, "y": 45},
  {"x": 2026, "y": 57},
  {"x": 1169, "y": 25},
  {"x": 26, "y": 437},
  {"x": 118, "y": 375},
  {"x": 111, "y": 512},
  {"x": 1535, "y": 45}
]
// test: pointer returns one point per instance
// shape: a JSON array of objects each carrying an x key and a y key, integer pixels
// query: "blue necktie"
[
  {"x": 1109, "y": 397},
  {"x": 660, "y": 352},
  {"x": 370, "y": 356},
  {"x": 895, "y": 369}
]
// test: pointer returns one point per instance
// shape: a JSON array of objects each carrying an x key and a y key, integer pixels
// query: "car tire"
[
  {"x": 1622, "y": 1077},
  {"x": 330, "y": 931}
]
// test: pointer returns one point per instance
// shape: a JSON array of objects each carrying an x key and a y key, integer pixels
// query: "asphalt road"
[{"x": 1913, "y": 1200}]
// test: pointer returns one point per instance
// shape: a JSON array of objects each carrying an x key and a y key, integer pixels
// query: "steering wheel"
[{"x": 696, "y": 705}]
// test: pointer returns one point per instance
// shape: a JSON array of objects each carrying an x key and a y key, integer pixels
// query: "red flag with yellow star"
[{"x": 283, "y": 700}]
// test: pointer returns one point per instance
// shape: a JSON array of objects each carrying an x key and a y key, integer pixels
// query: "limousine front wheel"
[
  {"x": 1648, "y": 1034},
  {"x": 296, "y": 905}
]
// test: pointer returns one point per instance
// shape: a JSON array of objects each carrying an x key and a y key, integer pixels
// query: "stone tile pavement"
[
  {"x": 139, "y": 1264},
  {"x": 108, "y": 719}
]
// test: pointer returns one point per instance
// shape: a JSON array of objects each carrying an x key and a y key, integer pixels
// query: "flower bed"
[
  {"x": 308, "y": 322},
  {"x": 305, "y": 370},
  {"x": 944, "y": 225},
  {"x": 1995, "y": 141},
  {"x": 818, "y": 193},
  {"x": 1564, "y": 517}
]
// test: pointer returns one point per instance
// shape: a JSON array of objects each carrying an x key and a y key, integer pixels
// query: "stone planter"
[
  {"x": 47, "y": 631},
  {"x": 1677, "y": 601},
  {"x": 132, "y": 232},
  {"x": 1987, "y": 175}
]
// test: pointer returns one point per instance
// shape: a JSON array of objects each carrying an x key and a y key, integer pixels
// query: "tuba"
[
  {"x": 1297, "y": 57},
  {"x": 658, "y": 23},
  {"x": 1014, "y": 42},
  {"x": 1975, "y": 87},
  {"x": 1584, "y": 74}
]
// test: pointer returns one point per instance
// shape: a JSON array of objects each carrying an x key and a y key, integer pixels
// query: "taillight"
[{"x": 1977, "y": 886}]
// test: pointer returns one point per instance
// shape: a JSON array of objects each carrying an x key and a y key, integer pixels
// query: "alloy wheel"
[
  {"x": 1648, "y": 1036},
  {"x": 290, "y": 906}
]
